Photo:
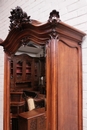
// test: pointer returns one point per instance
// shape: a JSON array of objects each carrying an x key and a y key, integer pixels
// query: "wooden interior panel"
[{"x": 67, "y": 87}]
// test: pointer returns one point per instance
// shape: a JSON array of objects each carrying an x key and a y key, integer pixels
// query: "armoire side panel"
[{"x": 67, "y": 87}]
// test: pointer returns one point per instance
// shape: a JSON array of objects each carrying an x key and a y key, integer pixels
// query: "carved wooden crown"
[
  {"x": 18, "y": 16},
  {"x": 54, "y": 16}
]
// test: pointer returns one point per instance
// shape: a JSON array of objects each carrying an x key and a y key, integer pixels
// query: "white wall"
[{"x": 72, "y": 12}]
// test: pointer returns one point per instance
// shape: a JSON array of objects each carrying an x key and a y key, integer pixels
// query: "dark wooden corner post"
[
  {"x": 6, "y": 98},
  {"x": 52, "y": 74},
  {"x": 52, "y": 85},
  {"x": 6, "y": 124}
]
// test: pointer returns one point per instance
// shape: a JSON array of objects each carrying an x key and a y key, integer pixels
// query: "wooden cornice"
[
  {"x": 1, "y": 40},
  {"x": 39, "y": 32}
]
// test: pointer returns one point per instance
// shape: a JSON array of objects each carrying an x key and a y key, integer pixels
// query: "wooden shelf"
[{"x": 25, "y": 69}]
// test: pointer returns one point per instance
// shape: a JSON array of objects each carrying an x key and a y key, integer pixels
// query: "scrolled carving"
[
  {"x": 18, "y": 16},
  {"x": 54, "y": 34},
  {"x": 24, "y": 41},
  {"x": 54, "y": 16},
  {"x": 41, "y": 123},
  {"x": 33, "y": 124}
]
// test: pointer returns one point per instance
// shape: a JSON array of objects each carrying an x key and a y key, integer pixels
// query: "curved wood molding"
[
  {"x": 1, "y": 40},
  {"x": 40, "y": 33}
]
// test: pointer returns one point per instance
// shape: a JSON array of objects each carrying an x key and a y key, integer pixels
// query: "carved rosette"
[
  {"x": 18, "y": 17},
  {"x": 54, "y": 19},
  {"x": 54, "y": 34},
  {"x": 54, "y": 16}
]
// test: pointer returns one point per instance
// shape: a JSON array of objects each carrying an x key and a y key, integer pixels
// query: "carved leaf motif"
[
  {"x": 18, "y": 16},
  {"x": 41, "y": 123},
  {"x": 54, "y": 16},
  {"x": 33, "y": 124}
]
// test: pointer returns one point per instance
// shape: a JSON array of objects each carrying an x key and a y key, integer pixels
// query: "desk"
[{"x": 32, "y": 120}]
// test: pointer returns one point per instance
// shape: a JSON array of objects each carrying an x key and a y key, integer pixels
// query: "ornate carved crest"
[
  {"x": 54, "y": 16},
  {"x": 18, "y": 16},
  {"x": 54, "y": 19}
]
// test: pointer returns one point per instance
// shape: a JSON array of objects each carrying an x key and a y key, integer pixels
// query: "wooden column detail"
[
  {"x": 52, "y": 85},
  {"x": 6, "y": 93}
]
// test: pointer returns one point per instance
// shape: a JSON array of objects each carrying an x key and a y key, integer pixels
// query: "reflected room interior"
[{"x": 27, "y": 86}]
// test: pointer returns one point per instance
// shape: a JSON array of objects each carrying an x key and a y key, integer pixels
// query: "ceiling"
[{"x": 31, "y": 48}]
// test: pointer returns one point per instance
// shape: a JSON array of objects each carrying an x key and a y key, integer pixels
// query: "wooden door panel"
[{"x": 67, "y": 87}]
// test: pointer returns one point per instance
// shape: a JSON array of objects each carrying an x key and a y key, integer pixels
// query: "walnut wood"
[
  {"x": 52, "y": 86},
  {"x": 24, "y": 80},
  {"x": 63, "y": 69},
  {"x": 6, "y": 124},
  {"x": 33, "y": 120},
  {"x": 33, "y": 113},
  {"x": 25, "y": 73}
]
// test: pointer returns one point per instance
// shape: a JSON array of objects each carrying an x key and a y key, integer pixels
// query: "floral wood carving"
[
  {"x": 54, "y": 18},
  {"x": 41, "y": 123},
  {"x": 18, "y": 16},
  {"x": 24, "y": 41},
  {"x": 33, "y": 124}
]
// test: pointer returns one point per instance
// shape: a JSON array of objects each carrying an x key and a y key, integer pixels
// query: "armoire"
[{"x": 63, "y": 53}]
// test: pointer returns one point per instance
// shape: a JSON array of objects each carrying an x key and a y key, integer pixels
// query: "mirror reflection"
[{"x": 28, "y": 88}]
